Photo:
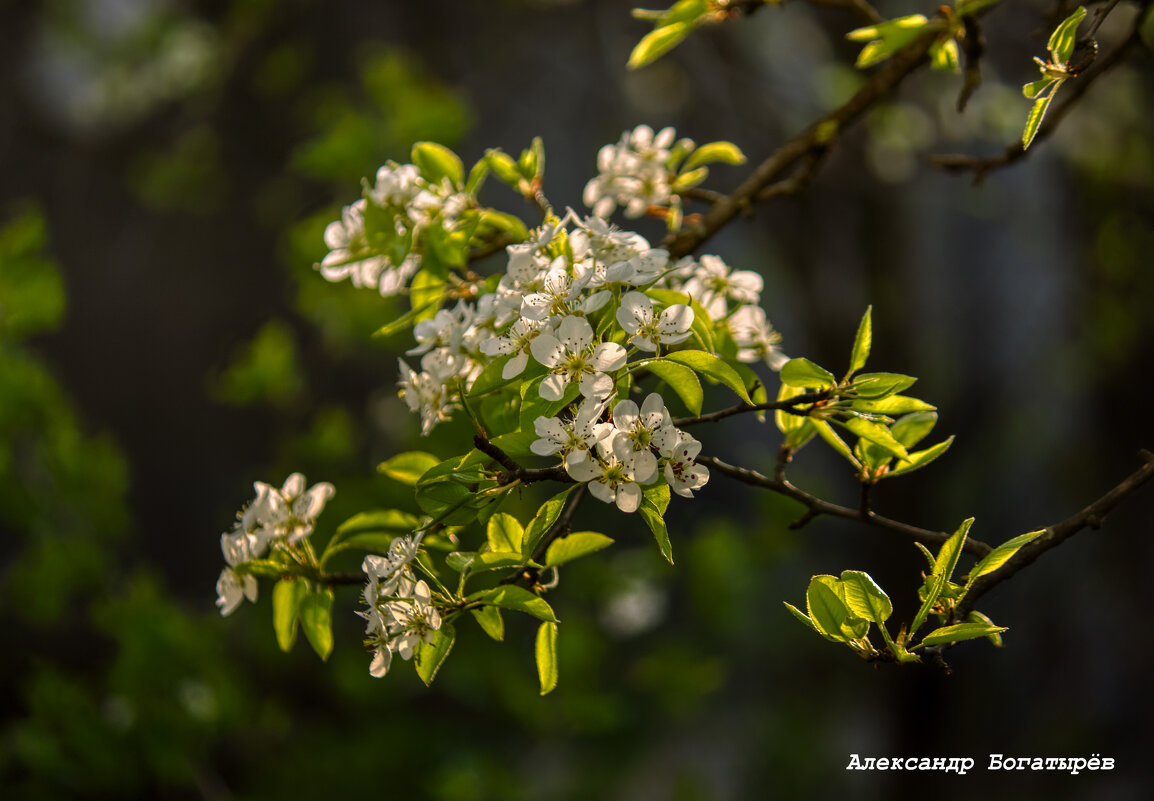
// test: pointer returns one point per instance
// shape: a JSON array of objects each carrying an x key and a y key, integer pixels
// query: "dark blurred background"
[{"x": 166, "y": 171}]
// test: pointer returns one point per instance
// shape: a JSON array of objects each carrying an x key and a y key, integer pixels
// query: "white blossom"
[
  {"x": 516, "y": 341},
  {"x": 572, "y": 356},
  {"x": 616, "y": 474},
  {"x": 632, "y": 173},
  {"x": 682, "y": 473},
  {"x": 713, "y": 284},
  {"x": 572, "y": 439},
  {"x": 430, "y": 392},
  {"x": 636, "y": 316},
  {"x": 756, "y": 340}
]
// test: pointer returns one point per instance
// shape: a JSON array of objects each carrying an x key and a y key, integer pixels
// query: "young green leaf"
[
  {"x": 286, "y": 602},
  {"x": 726, "y": 152},
  {"x": 864, "y": 597},
  {"x": 944, "y": 564},
  {"x": 1065, "y": 36},
  {"x": 802, "y": 616},
  {"x": 681, "y": 380},
  {"x": 1000, "y": 555},
  {"x": 543, "y": 521},
  {"x": 656, "y": 522},
  {"x": 509, "y": 596},
  {"x": 711, "y": 367},
  {"x": 1034, "y": 121},
  {"x": 408, "y": 467},
  {"x": 805, "y": 374},
  {"x": 877, "y": 434},
  {"x": 431, "y": 655},
  {"x": 894, "y": 404},
  {"x": 913, "y": 428},
  {"x": 316, "y": 618},
  {"x": 437, "y": 162},
  {"x": 959, "y": 632},
  {"x": 490, "y": 620},
  {"x": 919, "y": 459},
  {"x": 826, "y": 432},
  {"x": 576, "y": 545},
  {"x": 862, "y": 343},
  {"x": 504, "y": 533},
  {"x": 657, "y": 43},
  {"x": 876, "y": 386},
  {"x": 546, "y": 649}
]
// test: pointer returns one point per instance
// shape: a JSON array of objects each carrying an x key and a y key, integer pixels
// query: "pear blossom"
[
  {"x": 646, "y": 428},
  {"x": 400, "y": 625},
  {"x": 632, "y": 173},
  {"x": 232, "y": 589},
  {"x": 756, "y": 340},
  {"x": 300, "y": 507},
  {"x": 571, "y": 356},
  {"x": 429, "y": 392},
  {"x": 713, "y": 284},
  {"x": 573, "y": 439},
  {"x": 446, "y": 329},
  {"x": 681, "y": 472},
  {"x": 649, "y": 331},
  {"x": 616, "y": 474},
  {"x": 516, "y": 341}
]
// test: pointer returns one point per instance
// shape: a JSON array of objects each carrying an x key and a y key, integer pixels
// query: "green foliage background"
[{"x": 164, "y": 341}]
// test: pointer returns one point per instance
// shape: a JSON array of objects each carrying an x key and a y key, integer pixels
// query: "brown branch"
[
  {"x": 1053, "y": 536},
  {"x": 513, "y": 470},
  {"x": 981, "y": 167},
  {"x": 816, "y": 506},
  {"x": 810, "y": 143},
  {"x": 789, "y": 405}
]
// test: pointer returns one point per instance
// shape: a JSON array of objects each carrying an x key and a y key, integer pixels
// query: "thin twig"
[
  {"x": 816, "y": 506},
  {"x": 790, "y": 406},
  {"x": 1055, "y": 535},
  {"x": 513, "y": 470},
  {"x": 982, "y": 167}
]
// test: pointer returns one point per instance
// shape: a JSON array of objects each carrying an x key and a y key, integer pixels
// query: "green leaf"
[
  {"x": 490, "y": 620},
  {"x": 576, "y": 545},
  {"x": 656, "y": 522},
  {"x": 1065, "y": 36},
  {"x": 688, "y": 180},
  {"x": 657, "y": 43},
  {"x": 1035, "y": 119},
  {"x": 913, "y": 428},
  {"x": 659, "y": 496},
  {"x": 802, "y": 616},
  {"x": 430, "y": 656},
  {"x": 711, "y": 367},
  {"x": 944, "y": 564},
  {"x": 1000, "y": 555},
  {"x": 725, "y": 152},
  {"x": 884, "y": 29},
  {"x": 876, "y": 386},
  {"x": 543, "y": 521},
  {"x": 264, "y": 568},
  {"x": 826, "y": 432},
  {"x": 546, "y": 649},
  {"x": 503, "y": 166},
  {"x": 830, "y": 613},
  {"x": 862, "y": 342},
  {"x": 977, "y": 617},
  {"x": 681, "y": 380},
  {"x": 504, "y": 533},
  {"x": 864, "y": 597},
  {"x": 447, "y": 501},
  {"x": 316, "y": 617},
  {"x": 886, "y": 38},
  {"x": 437, "y": 162},
  {"x": 959, "y": 632},
  {"x": 408, "y": 467},
  {"x": 426, "y": 294},
  {"x": 804, "y": 373},
  {"x": 877, "y": 434},
  {"x": 894, "y": 404},
  {"x": 286, "y": 602},
  {"x": 1032, "y": 90},
  {"x": 944, "y": 55},
  {"x": 919, "y": 459},
  {"x": 508, "y": 596}
]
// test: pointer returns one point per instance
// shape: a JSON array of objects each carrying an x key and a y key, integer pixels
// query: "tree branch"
[
  {"x": 1014, "y": 152},
  {"x": 513, "y": 470},
  {"x": 809, "y": 144},
  {"x": 1055, "y": 535},
  {"x": 816, "y": 506},
  {"x": 789, "y": 406}
]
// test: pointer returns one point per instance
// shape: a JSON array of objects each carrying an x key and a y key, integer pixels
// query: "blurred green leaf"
[
  {"x": 316, "y": 618},
  {"x": 286, "y": 601},
  {"x": 546, "y": 650},
  {"x": 431, "y": 655}
]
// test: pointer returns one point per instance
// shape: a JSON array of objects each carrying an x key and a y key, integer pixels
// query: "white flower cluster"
[
  {"x": 567, "y": 271},
  {"x": 615, "y": 458},
  {"x": 400, "y": 613},
  {"x": 633, "y": 173},
  {"x": 286, "y": 515},
  {"x": 361, "y": 246}
]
